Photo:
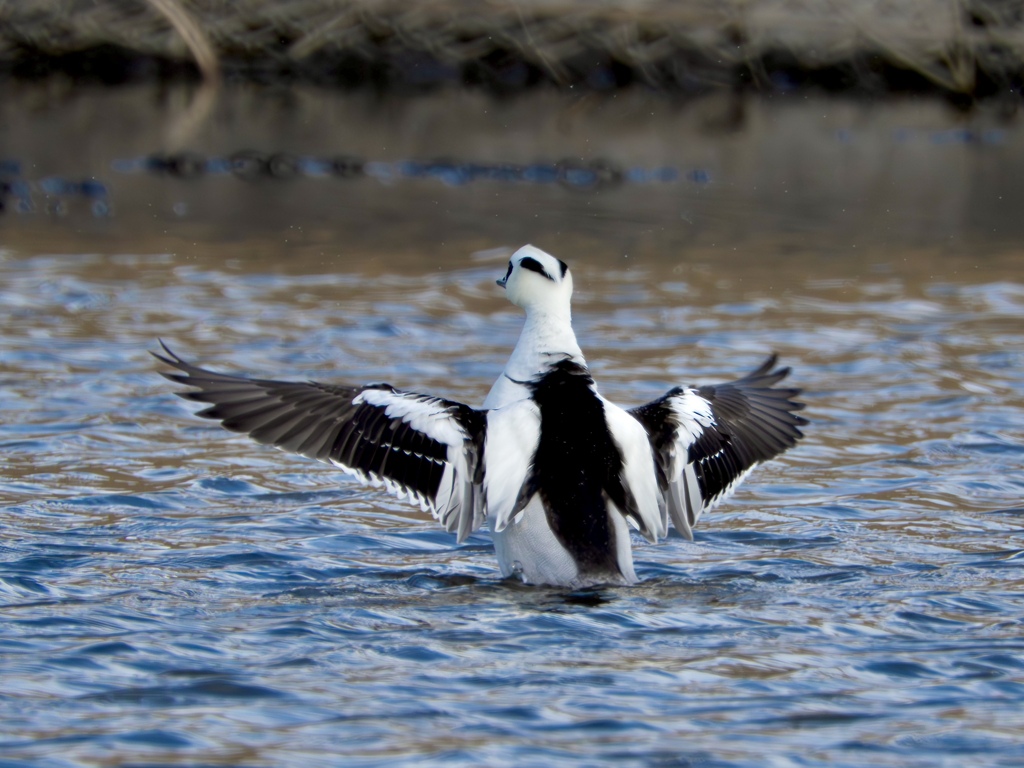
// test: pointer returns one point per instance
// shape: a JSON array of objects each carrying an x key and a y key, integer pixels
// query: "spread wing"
[
  {"x": 423, "y": 448},
  {"x": 706, "y": 439}
]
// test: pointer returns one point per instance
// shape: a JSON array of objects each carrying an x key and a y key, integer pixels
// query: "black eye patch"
[
  {"x": 533, "y": 265},
  {"x": 507, "y": 274}
]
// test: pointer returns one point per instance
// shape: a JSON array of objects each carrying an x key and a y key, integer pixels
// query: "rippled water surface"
[{"x": 174, "y": 595}]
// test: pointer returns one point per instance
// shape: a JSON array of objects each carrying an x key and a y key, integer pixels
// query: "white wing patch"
[
  {"x": 692, "y": 414},
  {"x": 513, "y": 433},
  {"x": 423, "y": 413},
  {"x": 638, "y": 474}
]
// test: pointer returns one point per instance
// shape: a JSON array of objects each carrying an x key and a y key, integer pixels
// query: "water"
[{"x": 173, "y": 595}]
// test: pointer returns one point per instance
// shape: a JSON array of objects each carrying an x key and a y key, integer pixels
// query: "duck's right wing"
[
  {"x": 419, "y": 447},
  {"x": 706, "y": 439}
]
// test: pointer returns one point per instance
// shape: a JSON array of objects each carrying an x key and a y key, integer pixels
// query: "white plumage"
[{"x": 558, "y": 472}]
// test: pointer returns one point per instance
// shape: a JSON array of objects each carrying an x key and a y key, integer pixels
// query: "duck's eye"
[{"x": 509, "y": 270}]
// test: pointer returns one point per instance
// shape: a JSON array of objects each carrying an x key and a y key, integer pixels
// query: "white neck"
[{"x": 546, "y": 337}]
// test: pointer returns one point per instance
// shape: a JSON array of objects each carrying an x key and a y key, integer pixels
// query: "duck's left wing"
[
  {"x": 706, "y": 439},
  {"x": 423, "y": 448}
]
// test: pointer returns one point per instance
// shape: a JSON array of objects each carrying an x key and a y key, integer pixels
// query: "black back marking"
[
  {"x": 533, "y": 265},
  {"x": 564, "y": 266},
  {"x": 577, "y": 467}
]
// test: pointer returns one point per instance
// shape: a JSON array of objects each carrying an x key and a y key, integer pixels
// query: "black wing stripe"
[
  {"x": 715, "y": 474},
  {"x": 378, "y": 426},
  {"x": 421, "y": 444},
  {"x": 340, "y": 449},
  {"x": 353, "y": 451}
]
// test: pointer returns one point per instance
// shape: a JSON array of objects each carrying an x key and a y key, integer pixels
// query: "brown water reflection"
[{"x": 858, "y": 180}]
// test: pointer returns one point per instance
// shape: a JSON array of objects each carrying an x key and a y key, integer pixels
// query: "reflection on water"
[
  {"x": 814, "y": 174},
  {"x": 176, "y": 595}
]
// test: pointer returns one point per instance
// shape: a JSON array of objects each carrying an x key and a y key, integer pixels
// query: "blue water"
[
  {"x": 175, "y": 595},
  {"x": 171, "y": 594}
]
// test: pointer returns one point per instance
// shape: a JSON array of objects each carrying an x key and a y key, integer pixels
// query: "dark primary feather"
[
  {"x": 325, "y": 422},
  {"x": 753, "y": 421}
]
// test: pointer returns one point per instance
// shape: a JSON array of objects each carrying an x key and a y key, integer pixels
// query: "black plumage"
[{"x": 577, "y": 468}]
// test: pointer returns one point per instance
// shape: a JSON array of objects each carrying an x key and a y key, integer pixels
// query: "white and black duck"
[{"x": 559, "y": 473}]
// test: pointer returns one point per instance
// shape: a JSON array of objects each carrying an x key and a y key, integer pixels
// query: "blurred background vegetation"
[{"x": 969, "y": 48}]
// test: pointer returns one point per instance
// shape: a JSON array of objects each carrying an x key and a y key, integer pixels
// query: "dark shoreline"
[{"x": 965, "y": 53}]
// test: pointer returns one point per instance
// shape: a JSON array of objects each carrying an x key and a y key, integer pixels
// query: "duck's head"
[{"x": 537, "y": 281}]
